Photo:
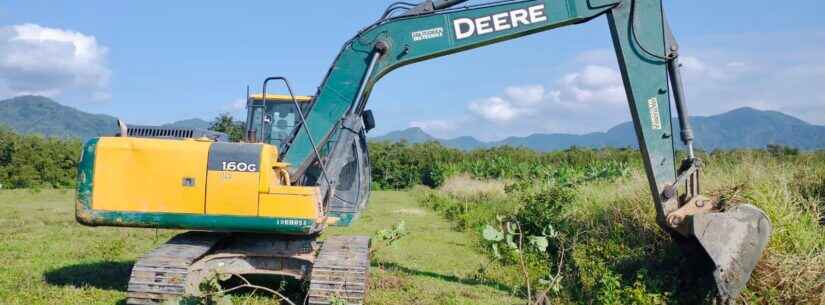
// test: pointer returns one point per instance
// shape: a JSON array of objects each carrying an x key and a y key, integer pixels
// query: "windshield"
[
  {"x": 278, "y": 119},
  {"x": 281, "y": 118}
]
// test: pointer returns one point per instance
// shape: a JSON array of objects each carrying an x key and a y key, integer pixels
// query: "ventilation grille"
[
  {"x": 143, "y": 131},
  {"x": 150, "y": 132}
]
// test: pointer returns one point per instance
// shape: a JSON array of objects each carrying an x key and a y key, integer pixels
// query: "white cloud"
[
  {"x": 516, "y": 102},
  {"x": 435, "y": 127},
  {"x": 588, "y": 93},
  {"x": 585, "y": 96},
  {"x": 529, "y": 95},
  {"x": 49, "y": 61},
  {"x": 595, "y": 85},
  {"x": 496, "y": 109}
]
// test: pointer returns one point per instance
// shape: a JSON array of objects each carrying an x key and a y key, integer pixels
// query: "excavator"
[{"x": 259, "y": 206}]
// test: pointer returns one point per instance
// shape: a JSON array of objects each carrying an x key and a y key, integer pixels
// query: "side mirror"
[{"x": 369, "y": 120}]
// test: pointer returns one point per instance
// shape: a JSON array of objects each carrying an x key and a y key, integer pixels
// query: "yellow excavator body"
[{"x": 204, "y": 181}]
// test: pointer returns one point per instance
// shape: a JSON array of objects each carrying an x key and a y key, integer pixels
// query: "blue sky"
[{"x": 154, "y": 62}]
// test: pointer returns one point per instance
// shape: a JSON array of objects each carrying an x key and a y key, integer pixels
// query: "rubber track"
[
  {"x": 341, "y": 271},
  {"x": 161, "y": 274}
]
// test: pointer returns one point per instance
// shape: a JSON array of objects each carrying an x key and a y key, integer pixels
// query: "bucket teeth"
[{"x": 734, "y": 240}]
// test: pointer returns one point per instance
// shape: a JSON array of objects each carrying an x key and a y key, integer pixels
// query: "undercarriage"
[{"x": 336, "y": 269}]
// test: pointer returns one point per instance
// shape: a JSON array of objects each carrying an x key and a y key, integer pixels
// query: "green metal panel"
[
  {"x": 640, "y": 50},
  {"x": 199, "y": 222},
  {"x": 418, "y": 38},
  {"x": 85, "y": 175}
]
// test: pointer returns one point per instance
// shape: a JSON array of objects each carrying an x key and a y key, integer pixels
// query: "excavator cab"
[{"x": 272, "y": 120}]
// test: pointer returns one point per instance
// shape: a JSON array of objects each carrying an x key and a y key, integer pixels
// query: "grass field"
[
  {"x": 47, "y": 258},
  {"x": 615, "y": 253}
]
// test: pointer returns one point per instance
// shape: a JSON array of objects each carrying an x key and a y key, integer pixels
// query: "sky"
[{"x": 154, "y": 62}]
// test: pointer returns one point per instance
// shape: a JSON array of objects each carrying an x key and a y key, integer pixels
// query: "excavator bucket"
[{"x": 734, "y": 240}]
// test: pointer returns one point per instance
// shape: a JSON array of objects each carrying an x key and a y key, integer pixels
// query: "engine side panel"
[
  {"x": 147, "y": 175},
  {"x": 164, "y": 183}
]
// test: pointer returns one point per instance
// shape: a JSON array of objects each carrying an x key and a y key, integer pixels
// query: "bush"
[
  {"x": 37, "y": 162},
  {"x": 543, "y": 207}
]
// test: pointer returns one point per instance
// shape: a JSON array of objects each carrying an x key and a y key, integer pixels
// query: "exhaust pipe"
[{"x": 124, "y": 130}]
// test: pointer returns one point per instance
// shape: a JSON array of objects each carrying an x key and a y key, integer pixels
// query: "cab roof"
[{"x": 281, "y": 98}]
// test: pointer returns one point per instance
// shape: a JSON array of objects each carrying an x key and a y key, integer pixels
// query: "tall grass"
[{"x": 619, "y": 255}]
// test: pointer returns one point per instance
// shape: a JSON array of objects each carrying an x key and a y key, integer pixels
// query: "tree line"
[{"x": 34, "y": 161}]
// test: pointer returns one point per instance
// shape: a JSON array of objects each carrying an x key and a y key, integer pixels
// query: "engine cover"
[{"x": 191, "y": 184}]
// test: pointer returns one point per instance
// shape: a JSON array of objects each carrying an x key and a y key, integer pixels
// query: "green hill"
[
  {"x": 31, "y": 114},
  {"x": 41, "y": 115},
  {"x": 190, "y": 123},
  {"x": 740, "y": 128}
]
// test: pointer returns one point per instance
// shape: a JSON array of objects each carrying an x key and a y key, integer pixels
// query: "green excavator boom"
[{"x": 321, "y": 152}]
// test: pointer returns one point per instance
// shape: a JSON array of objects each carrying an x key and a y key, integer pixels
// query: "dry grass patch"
[
  {"x": 789, "y": 278},
  {"x": 465, "y": 187}
]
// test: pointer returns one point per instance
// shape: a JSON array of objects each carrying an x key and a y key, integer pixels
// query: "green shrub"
[
  {"x": 32, "y": 161},
  {"x": 542, "y": 207}
]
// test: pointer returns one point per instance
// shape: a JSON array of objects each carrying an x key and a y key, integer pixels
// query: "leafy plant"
[
  {"x": 388, "y": 237},
  {"x": 509, "y": 235}
]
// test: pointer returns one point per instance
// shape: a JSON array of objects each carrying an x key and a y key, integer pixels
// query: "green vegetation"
[
  {"x": 400, "y": 165},
  {"x": 608, "y": 248},
  {"x": 584, "y": 218},
  {"x": 36, "y": 162},
  {"x": 225, "y": 123}
]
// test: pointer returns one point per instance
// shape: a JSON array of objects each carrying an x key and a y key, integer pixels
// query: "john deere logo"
[{"x": 466, "y": 27}]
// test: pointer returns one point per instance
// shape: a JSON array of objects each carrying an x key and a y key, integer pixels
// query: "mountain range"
[
  {"x": 31, "y": 114},
  {"x": 739, "y": 128}
]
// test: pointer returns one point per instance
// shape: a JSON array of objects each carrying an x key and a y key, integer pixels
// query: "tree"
[
  {"x": 779, "y": 150},
  {"x": 224, "y": 123}
]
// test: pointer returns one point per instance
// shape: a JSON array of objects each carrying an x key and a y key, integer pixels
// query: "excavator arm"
[
  {"x": 432, "y": 29},
  {"x": 428, "y": 33},
  {"x": 322, "y": 146}
]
